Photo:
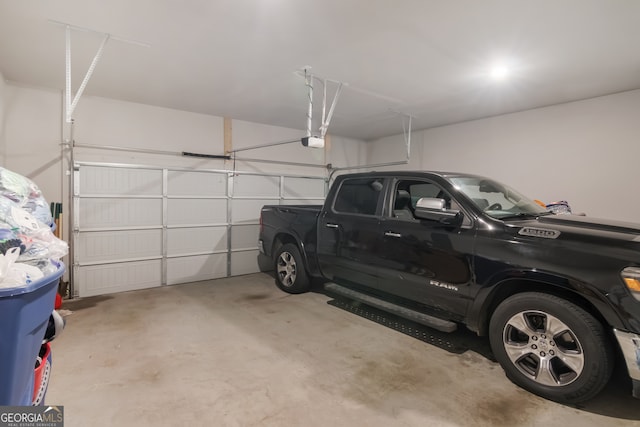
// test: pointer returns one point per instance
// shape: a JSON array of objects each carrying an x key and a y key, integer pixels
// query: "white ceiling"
[{"x": 238, "y": 58}]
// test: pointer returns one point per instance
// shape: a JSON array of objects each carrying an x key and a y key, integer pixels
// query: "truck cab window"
[
  {"x": 359, "y": 196},
  {"x": 408, "y": 192}
]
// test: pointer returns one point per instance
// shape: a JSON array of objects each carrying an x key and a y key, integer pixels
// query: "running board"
[{"x": 416, "y": 316}]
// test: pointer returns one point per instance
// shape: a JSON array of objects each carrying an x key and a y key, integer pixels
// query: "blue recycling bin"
[{"x": 24, "y": 316}]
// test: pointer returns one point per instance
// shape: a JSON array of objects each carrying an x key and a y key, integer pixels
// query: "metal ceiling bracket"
[
  {"x": 407, "y": 133},
  {"x": 308, "y": 81},
  {"x": 71, "y": 106},
  {"x": 326, "y": 117},
  {"x": 326, "y": 120}
]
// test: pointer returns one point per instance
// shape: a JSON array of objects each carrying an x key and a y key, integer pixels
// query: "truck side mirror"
[{"x": 434, "y": 210}]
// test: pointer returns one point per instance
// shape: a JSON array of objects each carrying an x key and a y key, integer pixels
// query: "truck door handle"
[
  {"x": 329, "y": 225},
  {"x": 392, "y": 234}
]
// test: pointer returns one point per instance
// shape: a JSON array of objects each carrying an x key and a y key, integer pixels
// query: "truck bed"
[
  {"x": 298, "y": 221},
  {"x": 293, "y": 208}
]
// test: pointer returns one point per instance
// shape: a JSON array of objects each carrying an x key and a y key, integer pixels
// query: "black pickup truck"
[{"x": 558, "y": 295}]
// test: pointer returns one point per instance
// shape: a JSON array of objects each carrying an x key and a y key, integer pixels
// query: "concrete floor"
[{"x": 239, "y": 352}]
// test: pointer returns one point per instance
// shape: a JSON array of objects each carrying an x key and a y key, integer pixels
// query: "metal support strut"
[
  {"x": 326, "y": 117},
  {"x": 70, "y": 108},
  {"x": 308, "y": 81},
  {"x": 70, "y": 105}
]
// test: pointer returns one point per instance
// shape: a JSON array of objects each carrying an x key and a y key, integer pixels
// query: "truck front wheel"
[
  {"x": 551, "y": 347},
  {"x": 291, "y": 276}
]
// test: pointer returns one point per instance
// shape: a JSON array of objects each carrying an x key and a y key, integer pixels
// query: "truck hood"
[{"x": 557, "y": 225}]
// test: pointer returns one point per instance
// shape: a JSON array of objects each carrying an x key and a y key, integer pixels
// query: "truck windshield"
[{"x": 495, "y": 199}]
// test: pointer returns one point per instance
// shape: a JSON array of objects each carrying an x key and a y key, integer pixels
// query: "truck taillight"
[{"x": 261, "y": 224}]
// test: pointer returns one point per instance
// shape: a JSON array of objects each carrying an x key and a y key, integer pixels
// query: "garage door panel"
[
  {"x": 190, "y": 183},
  {"x": 107, "y": 246},
  {"x": 245, "y": 236},
  {"x": 109, "y": 278},
  {"x": 196, "y": 211},
  {"x": 196, "y": 268},
  {"x": 182, "y": 241},
  {"x": 106, "y": 180},
  {"x": 256, "y": 186},
  {"x": 142, "y": 226},
  {"x": 303, "y": 187},
  {"x": 244, "y": 262},
  {"x": 248, "y": 210},
  {"x": 119, "y": 212}
]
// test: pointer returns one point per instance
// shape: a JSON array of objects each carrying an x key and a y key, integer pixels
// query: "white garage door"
[{"x": 137, "y": 227}]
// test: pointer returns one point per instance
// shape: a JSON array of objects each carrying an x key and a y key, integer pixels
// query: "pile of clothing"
[
  {"x": 28, "y": 248},
  {"x": 559, "y": 207}
]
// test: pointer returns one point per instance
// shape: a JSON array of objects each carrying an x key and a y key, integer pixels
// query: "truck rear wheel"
[
  {"x": 291, "y": 276},
  {"x": 551, "y": 347}
]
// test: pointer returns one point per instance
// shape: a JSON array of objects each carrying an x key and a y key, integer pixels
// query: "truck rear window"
[{"x": 359, "y": 196}]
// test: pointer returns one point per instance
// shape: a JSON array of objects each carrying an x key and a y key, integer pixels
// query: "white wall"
[
  {"x": 584, "y": 152},
  {"x": 247, "y": 134},
  {"x": 107, "y": 122},
  {"x": 33, "y": 132},
  {"x": 339, "y": 151},
  {"x": 346, "y": 152},
  {"x": 32, "y": 135}
]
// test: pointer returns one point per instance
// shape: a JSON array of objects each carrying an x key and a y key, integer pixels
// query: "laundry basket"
[{"x": 24, "y": 315}]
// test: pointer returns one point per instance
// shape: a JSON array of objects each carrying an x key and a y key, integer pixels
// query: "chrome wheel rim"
[
  {"x": 286, "y": 269},
  {"x": 543, "y": 348}
]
